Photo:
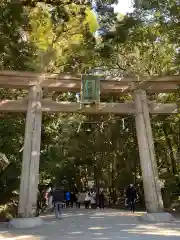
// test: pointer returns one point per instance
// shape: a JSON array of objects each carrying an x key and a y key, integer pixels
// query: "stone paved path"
[{"x": 95, "y": 225}]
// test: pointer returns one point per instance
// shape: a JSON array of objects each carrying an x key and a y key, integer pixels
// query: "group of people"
[
  {"x": 88, "y": 199},
  {"x": 57, "y": 198},
  {"x": 94, "y": 200},
  {"x": 68, "y": 198}
]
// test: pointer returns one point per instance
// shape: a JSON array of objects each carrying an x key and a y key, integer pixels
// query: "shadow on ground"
[{"x": 97, "y": 224}]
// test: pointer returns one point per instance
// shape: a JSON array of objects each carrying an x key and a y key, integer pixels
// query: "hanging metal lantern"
[{"x": 90, "y": 89}]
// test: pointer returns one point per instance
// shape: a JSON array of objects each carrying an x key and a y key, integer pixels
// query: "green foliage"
[
  {"x": 166, "y": 14},
  {"x": 8, "y": 212},
  {"x": 61, "y": 40},
  {"x": 91, "y": 20},
  {"x": 15, "y": 52}
]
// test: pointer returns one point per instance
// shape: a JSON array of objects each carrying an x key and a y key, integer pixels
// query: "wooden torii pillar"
[
  {"x": 31, "y": 155},
  {"x": 152, "y": 191}
]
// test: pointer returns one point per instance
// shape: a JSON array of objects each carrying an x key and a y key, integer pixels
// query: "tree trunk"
[{"x": 169, "y": 146}]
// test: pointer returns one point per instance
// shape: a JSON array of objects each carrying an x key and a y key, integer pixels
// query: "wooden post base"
[{"x": 26, "y": 222}]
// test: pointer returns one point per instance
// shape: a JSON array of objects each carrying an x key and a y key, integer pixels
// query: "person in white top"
[
  {"x": 87, "y": 200},
  {"x": 50, "y": 201},
  {"x": 93, "y": 200},
  {"x": 78, "y": 203}
]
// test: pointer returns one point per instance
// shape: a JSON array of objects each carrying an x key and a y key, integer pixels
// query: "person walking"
[
  {"x": 39, "y": 207},
  {"x": 131, "y": 196},
  {"x": 46, "y": 196},
  {"x": 101, "y": 200},
  {"x": 50, "y": 201},
  {"x": 58, "y": 200},
  {"x": 93, "y": 200},
  {"x": 87, "y": 200},
  {"x": 68, "y": 198},
  {"x": 78, "y": 202},
  {"x": 73, "y": 199}
]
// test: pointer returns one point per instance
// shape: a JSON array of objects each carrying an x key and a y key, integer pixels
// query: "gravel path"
[{"x": 94, "y": 224}]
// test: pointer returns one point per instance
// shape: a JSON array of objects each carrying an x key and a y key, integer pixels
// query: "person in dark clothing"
[
  {"x": 131, "y": 196},
  {"x": 58, "y": 199},
  {"x": 101, "y": 200},
  {"x": 39, "y": 207},
  {"x": 73, "y": 199}
]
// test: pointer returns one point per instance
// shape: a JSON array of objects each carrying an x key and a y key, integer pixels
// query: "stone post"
[
  {"x": 152, "y": 191},
  {"x": 31, "y": 154}
]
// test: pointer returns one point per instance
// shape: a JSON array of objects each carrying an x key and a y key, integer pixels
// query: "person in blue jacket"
[{"x": 68, "y": 198}]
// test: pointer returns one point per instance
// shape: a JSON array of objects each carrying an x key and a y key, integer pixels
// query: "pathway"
[{"x": 95, "y": 225}]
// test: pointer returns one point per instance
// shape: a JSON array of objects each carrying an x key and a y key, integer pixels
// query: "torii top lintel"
[{"x": 72, "y": 83}]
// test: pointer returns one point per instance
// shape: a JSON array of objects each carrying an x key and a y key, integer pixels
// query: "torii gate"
[{"x": 35, "y": 104}]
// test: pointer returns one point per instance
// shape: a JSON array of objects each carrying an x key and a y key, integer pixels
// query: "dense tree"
[
  {"x": 164, "y": 13},
  {"x": 15, "y": 52}
]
